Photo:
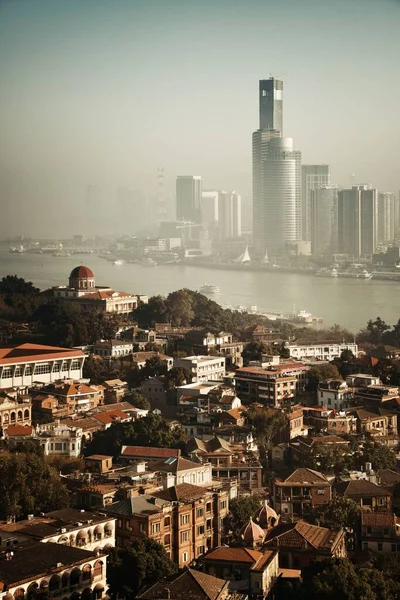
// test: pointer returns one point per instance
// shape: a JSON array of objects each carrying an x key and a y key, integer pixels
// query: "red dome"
[{"x": 81, "y": 272}]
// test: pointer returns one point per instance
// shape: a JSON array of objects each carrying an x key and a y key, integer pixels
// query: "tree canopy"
[
  {"x": 28, "y": 484},
  {"x": 321, "y": 372},
  {"x": 241, "y": 509},
  {"x": 152, "y": 430},
  {"x": 12, "y": 284},
  {"x": 144, "y": 562}
]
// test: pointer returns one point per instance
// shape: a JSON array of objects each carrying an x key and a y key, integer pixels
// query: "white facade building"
[
  {"x": 333, "y": 394},
  {"x": 24, "y": 365},
  {"x": 326, "y": 351},
  {"x": 202, "y": 368},
  {"x": 55, "y": 438}
]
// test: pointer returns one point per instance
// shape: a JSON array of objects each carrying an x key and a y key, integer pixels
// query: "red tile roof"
[
  {"x": 36, "y": 352},
  {"x": 150, "y": 452},
  {"x": 19, "y": 430},
  {"x": 232, "y": 555},
  {"x": 111, "y": 416}
]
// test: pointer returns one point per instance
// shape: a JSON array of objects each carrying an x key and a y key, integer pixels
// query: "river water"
[{"x": 349, "y": 302}]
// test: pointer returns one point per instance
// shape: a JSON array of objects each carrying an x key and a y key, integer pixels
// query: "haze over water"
[{"x": 348, "y": 302}]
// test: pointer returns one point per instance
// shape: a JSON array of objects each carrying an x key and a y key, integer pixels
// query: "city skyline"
[{"x": 114, "y": 112}]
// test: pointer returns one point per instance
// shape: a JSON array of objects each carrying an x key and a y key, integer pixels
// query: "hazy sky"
[{"x": 103, "y": 91}]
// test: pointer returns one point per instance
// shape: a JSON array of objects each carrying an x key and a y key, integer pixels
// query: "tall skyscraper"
[
  {"x": 386, "y": 217},
  {"x": 188, "y": 198},
  {"x": 271, "y": 104},
  {"x": 229, "y": 215},
  {"x": 281, "y": 194},
  {"x": 324, "y": 220},
  {"x": 276, "y": 175},
  {"x": 357, "y": 220},
  {"x": 312, "y": 178}
]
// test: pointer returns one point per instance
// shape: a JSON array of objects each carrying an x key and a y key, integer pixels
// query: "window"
[
  {"x": 28, "y": 371},
  {"x": 380, "y": 547},
  {"x": 222, "y": 504},
  {"x": 199, "y": 512},
  {"x": 41, "y": 369},
  {"x": 18, "y": 372},
  {"x": 208, "y": 507},
  {"x": 185, "y": 519},
  {"x": 200, "y": 550},
  {"x": 321, "y": 492},
  {"x": 7, "y": 373},
  {"x": 167, "y": 522},
  {"x": 200, "y": 530},
  {"x": 155, "y": 528},
  {"x": 75, "y": 365},
  {"x": 369, "y": 529},
  {"x": 184, "y": 536},
  {"x": 184, "y": 556}
]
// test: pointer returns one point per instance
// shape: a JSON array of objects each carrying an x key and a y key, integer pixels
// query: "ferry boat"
[
  {"x": 209, "y": 289},
  {"x": 325, "y": 272},
  {"x": 118, "y": 262}
]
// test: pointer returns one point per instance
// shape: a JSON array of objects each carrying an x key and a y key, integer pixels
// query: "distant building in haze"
[
  {"x": 188, "y": 198},
  {"x": 324, "y": 220},
  {"x": 386, "y": 217},
  {"x": 271, "y": 104},
  {"x": 312, "y": 177},
  {"x": 357, "y": 220}
]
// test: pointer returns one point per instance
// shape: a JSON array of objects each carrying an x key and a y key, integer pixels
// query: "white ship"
[
  {"x": 209, "y": 289},
  {"x": 118, "y": 262}
]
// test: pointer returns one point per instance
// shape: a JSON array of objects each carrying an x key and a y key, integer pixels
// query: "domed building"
[
  {"x": 83, "y": 290},
  {"x": 252, "y": 534},
  {"x": 266, "y": 517}
]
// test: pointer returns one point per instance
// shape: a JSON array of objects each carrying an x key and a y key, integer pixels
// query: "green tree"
[
  {"x": 138, "y": 400},
  {"x": 380, "y": 456},
  {"x": 11, "y": 284},
  {"x": 180, "y": 308},
  {"x": 28, "y": 484},
  {"x": 254, "y": 351},
  {"x": 322, "y": 372},
  {"x": 327, "y": 458},
  {"x": 144, "y": 562},
  {"x": 176, "y": 377},
  {"x": 155, "y": 311},
  {"x": 240, "y": 511},
  {"x": 152, "y": 430},
  {"x": 267, "y": 426},
  {"x": 377, "y": 330},
  {"x": 338, "y": 512}
]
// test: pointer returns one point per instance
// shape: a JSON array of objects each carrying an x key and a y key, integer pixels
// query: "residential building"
[
  {"x": 132, "y": 453},
  {"x": 303, "y": 490},
  {"x": 67, "y": 526},
  {"x": 325, "y": 350},
  {"x": 373, "y": 396},
  {"x": 330, "y": 420},
  {"x": 115, "y": 390},
  {"x": 186, "y": 519},
  {"x": 272, "y": 384},
  {"x": 204, "y": 342},
  {"x": 253, "y": 571},
  {"x": 229, "y": 463},
  {"x": 188, "y": 198},
  {"x": 380, "y": 423},
  {"x": 367, "y": 494},
  {"x": 189, "y": 584},
  {"x": 26, "y": 364},
  {"x": 76, "y": 396},
  {"x": 301, "y": 544},
  {"x": 139, "y": 359},
  {"x": 59, "y": 569},
  {"x": 357, "y": 220},
  {"x": 203, "y": 368},
  {"x": 82, "y": 290},
  {"x": 108, "y": 349},
  {"x": 380, "y": 532},
  {"x": 313, "y": 178},
  {"x": 178, "y": 470},
  {"x": 98, "y": 463},
  {"x": 334, "y": 393}
]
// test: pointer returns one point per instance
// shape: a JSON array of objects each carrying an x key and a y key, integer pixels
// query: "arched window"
[
  {"x": 63, "y": 540},
  {"x": 65, "y": 580},
  {"x": 54, "y": 583},
  {"x": 98, "y": 533},
  {"x": 44, "y": 584},
  {"x": 19, "y": 593},
  {"x": 98, "y": 569},
  {"x": 19, "y": 415},
  {"x": 87, "y": 594},
  {"x": 75, "y": 577},
  {"x": 12, "y": 417},
  {"x": 6, "y": 418},
  {"x": 26, "y": 413},
  {"x": 86, "y": 573}
]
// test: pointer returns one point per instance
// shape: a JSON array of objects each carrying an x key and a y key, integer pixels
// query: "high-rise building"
[
  {"x": 188, "y": 198},
  {"x": 209, "y": 208},
  {"x": 312, "y": 178},
  {"x": 386, "y": 217},
  {"x": 229, "y": 215},
  {"x": 271, "y": 104},
  {"x": 357, "y": 220},
  {"x": 281, "y": 194},
  {"x": 324, "y": 220}
]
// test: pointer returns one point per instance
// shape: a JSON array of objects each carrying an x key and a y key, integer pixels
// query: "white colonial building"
[
  {"x": 203, "y": 368},
  {"x": 24, "y": 365},
  {"x": 325, "y": 351},
  {"x": 56, "y": 438}
]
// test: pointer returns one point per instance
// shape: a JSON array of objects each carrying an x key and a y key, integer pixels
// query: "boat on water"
[
  {"x": 351, "y": 273},
  {"x": 148, "y": 262},
  {"x": 209, "y": 289},
  {"x": 325, "y": 272},
  {"x": 17, "y": 249},
  {"x": 118, "y": 262}
]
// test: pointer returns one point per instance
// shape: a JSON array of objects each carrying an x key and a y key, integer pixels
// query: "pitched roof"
[
  {"x": 232, "y": 555},
  {"x": 111, "y": 416},
  {"x": 306, "y": 476},
  {"x": 189, "y": 584},
  {"x": 104, "y": 295},
  {"x": 175, "y": 465},
  {"x": 359, "y": 487},
  {"x": 377, "y": 519},
  {"x": 149, "y": 452},
  {"x": 19, "y": 430},
  {"x": 264, "y": 560},
  {"x": 301, "y": 534},
  {"x": 182, "y": 492},
  {"x": 36, "y": 352}
]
